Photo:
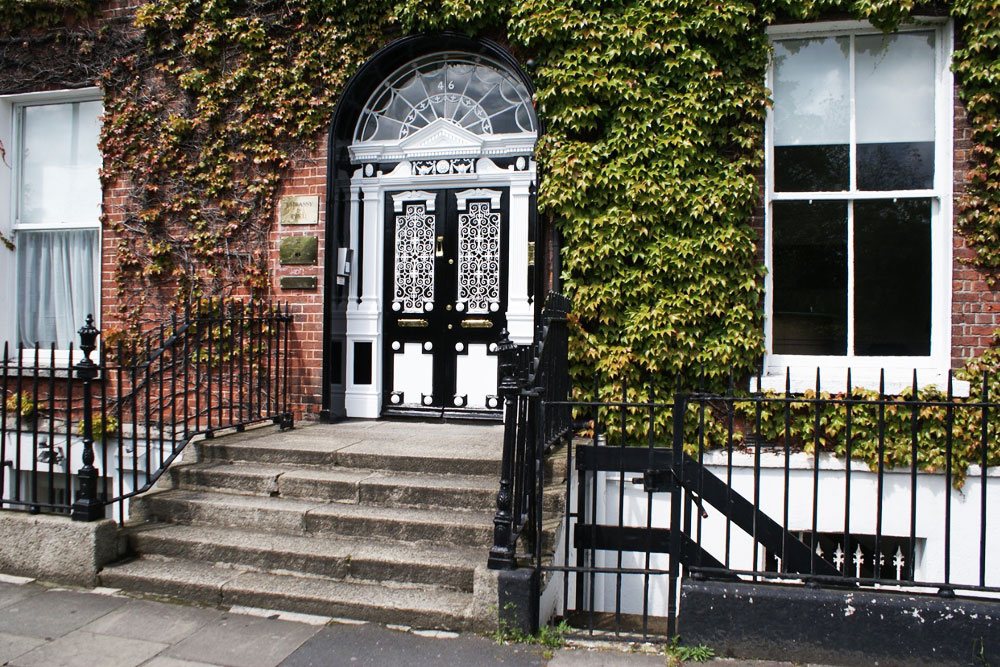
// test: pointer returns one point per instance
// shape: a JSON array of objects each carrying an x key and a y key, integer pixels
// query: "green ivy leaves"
[{"x": 650, "y": 165}]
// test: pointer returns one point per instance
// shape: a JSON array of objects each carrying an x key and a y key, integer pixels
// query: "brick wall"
[
  {"x": 975, "y": 305},
  {"x": 306, "y": 176}
]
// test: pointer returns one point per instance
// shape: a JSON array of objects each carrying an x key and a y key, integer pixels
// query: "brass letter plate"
[
  {"x": 477, "y": 324},
  {"x": 419, "y": 324}
]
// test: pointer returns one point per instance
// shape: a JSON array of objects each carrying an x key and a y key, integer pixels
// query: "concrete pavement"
[{"x": 50, "y": 626}]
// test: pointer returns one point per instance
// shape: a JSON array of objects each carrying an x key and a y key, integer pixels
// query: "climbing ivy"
[
  {"x": 649, "y": 165},
  {"x": 976, "y": 65},
  {"x": 19, "y": 15},
  {"x": 203, "y": 123}
]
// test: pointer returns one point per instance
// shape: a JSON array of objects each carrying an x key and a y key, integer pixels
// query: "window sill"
[{"x": 834, "y": 380}]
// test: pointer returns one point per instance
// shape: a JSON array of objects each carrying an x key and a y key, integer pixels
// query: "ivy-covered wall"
[{"x": 653, "y": 113}]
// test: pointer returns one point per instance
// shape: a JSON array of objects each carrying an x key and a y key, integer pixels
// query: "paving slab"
[
  {"x": 242, "y": 641},
  {"x": 221, "y": 509},
  {"x": 403, "y": 523},
  {"x": 377, "y": 646},
  {"x": 190, "y": 580},
  {"x": 322, "y": 483},
  {"x": 164, "y": 661},
  {"x": 142, "y": 619},
  {"x": 336, "y": 558},
  {"x": 229, "y": 477},
  {"x": 13, "y": 646},
  {"x": 11, "y": 593},
  {"x": 55, "y": 613},
  {"x": 85, "y": 649},
  {"x": 422, "y": 607},
  {"x": 451, "y": 491},
  {"x": 576, "y": 657}
]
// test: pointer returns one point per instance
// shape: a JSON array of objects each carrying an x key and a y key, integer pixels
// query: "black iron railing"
[
  {"x": 858, "y": 489},
  {"x": 534, "y": 384},
  {"x": 81, "y": 437}
]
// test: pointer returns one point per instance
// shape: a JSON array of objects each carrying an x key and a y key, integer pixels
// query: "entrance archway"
[{"x": 431, "y": 229}]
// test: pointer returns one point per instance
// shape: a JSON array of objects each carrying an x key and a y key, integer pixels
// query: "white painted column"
[
  {"x": 364, "y": 320},
  {"x": 355, "y": 245},
  {"x": 520, "y": 316}
]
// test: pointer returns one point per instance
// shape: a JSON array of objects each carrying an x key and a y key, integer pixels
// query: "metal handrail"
[{"x": 223, "y": 364}]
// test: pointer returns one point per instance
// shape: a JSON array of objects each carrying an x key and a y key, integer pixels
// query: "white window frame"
[
  {"x": 10, "y": 192},
  {"x": 932, "y": 369}
]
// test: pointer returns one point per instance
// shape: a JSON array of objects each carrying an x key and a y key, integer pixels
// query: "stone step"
[
  {"x": 341, "y": 485},
  {"x": 368, "y": 445},
  {"x": 334, "y": 558},
  {"x": 421, "y": 607},
  {"x": 292, "y": 516}
]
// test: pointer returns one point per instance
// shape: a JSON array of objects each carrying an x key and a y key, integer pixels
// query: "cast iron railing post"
[
  {"x": 676, "y": 543},
  {"x": 86, "y": 507},
  {"x": 502, "y": 551}
]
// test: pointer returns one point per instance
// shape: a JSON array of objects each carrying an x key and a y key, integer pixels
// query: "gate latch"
[{"x": 654, "y": 481}]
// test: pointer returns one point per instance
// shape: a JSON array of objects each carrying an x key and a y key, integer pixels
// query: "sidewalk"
[{"x": 44, "y": 625}]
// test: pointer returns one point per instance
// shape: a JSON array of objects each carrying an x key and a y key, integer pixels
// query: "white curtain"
[{"x": 56, "y": 291}]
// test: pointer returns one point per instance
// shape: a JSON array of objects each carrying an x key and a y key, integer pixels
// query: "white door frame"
[{"x": 364, "y": 310}]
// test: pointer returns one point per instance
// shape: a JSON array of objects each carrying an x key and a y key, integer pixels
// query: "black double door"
[{"x": 445, "y": 300}]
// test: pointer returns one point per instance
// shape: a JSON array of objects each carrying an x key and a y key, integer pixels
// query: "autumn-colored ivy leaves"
[
  {"x": 653, "y": 110},
  {"x": 201, "y": 127}
]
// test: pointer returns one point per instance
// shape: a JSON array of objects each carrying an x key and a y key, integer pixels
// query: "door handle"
[{"x": 439, "y": 249}]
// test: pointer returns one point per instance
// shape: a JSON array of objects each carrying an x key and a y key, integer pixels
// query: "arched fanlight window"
[{"x": 470, "y": 91}]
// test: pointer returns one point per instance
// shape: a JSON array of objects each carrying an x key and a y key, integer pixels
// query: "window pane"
[
  {"x": 470, "y": 91},
  {"x": 60, "y": 163},
  {"x": 811, "y": 168},
  {"x": 55, "y": 285},
  {"x": 892, "y": 277},
  {"x": 904, "y": 165},
  {"x": 894, "y": 83},
  {"x": 810, "y": 277},
  {"x": 811, "y": 114}
]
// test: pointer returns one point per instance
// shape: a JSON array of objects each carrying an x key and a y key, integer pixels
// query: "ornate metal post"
[
  {"x": 86, "y": 507},
  {"x": 502, "y": 552}
]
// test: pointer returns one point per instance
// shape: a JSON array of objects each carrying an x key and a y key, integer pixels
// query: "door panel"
[{"x": 445, "y": 280}]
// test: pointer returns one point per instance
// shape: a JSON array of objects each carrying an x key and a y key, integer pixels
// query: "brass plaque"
[
  {"x": 477, "y": 324},
  {"x": 298, "y": 250},
  {"x": 299, "y": 210},
  {"x": 417, "y": 324},
  {"x": 298, "y": 282}
]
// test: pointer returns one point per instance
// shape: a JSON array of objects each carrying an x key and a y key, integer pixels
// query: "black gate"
[
  {"x": 615, "y": 504},
  {"x": 620, "y": 558}
]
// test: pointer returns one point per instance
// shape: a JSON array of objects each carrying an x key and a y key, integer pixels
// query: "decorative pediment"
[
  {"x": 441, "y": 135},
  {"x": 462, "y": 198},
  {"x": 413, "y": 196}
]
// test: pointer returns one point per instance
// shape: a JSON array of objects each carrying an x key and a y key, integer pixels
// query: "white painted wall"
[
  {"x": 19, "y": 453},
  {"x": 932, "y": 492}
]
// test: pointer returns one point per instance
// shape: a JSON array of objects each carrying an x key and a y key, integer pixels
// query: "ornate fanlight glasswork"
[{"x": 470, "y": 91}]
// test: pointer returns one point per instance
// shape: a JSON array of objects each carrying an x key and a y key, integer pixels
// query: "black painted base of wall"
[
  {"x": 518, "y": 600},
  {"x": 838, "y": 627}
]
